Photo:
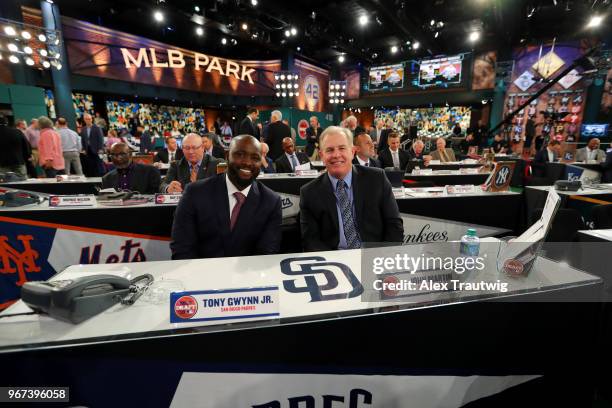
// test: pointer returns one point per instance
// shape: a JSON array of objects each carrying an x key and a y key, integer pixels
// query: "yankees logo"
[
  {"x": 24, "y": 261},
  {"x": 310, "y": 267},
  {"x": 502, "y": 176}
]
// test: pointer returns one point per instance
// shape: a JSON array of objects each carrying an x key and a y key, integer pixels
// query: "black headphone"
[{"x": 18, "y": 199}]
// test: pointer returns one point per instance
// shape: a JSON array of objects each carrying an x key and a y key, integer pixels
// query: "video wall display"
[
  {"x": 440, "y": 72},
  {"x": 430, "y": 122},
  {"x": 82, "y": 103},
  {"x": 386, "y": 77},
  {"x": 555, "y": 114},
  {"x": 155, "y": 118}
]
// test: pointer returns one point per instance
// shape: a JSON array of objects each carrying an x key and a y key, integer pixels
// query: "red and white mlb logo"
[{"x": 185, "y": 307}]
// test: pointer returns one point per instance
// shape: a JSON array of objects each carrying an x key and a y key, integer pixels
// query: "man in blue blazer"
[
  {"x": 229, "y": 214},
  {"x": 92, "y": 140}
]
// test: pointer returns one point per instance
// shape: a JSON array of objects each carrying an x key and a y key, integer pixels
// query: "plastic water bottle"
[{"x": 470, "y": 243}]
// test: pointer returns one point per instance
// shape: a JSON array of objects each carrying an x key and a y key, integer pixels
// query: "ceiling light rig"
[
  {"x": 286, "y": 84},
  {"x": 337, "y": 92},
  {"x": 35, "y": 46}
]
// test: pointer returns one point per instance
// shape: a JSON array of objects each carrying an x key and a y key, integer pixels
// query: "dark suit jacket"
[
  {"x": 201, "y": 227},
  {"x": 145, "y": 179},
  {"x": 163, "y": 155},
  {"x": 377, "y": 215},
  {"x": 283, "y": 165},
  {"x": 539, "y": 162},
  {"x": 382, "y": 143},
  {"x": 270, "y": 168},
  {"x": 373, "y": 162},
  {"x": 247, "y": 127},
  {"x": 179, "y": 171},
  {"x": 387, "y": 161},
  {"x": 312, "y": 138},
  {"x": 277, "y": 131},
  {"x": 146, "y": 143},
  {"x": 218, "y": 152},
  {"x": 95, "y": 141},
  {"x": 607, "y": 168}
]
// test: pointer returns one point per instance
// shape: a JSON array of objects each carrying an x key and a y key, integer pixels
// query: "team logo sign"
[
  {"x": 302, "y": 126},
  {"x": 54, "y": 201},
  {"x": 502, "y": 176},
  {"x": 310, "y": 268},
  {"x": 500, "y": 179},
  {"x": 185, "y": 307}
]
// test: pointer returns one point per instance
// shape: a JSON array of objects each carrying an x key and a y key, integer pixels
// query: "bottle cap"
[{"x": 471, "y": 232}]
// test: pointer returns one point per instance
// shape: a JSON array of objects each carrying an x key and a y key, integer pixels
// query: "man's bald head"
[
  {"x": 120, "y": 155},
  {"x": 244, "y": 161}
]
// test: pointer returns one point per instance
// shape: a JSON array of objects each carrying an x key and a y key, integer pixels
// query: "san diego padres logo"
[
  {"x": 312, "y": 266},
  {"x": 13, "y": 261}
]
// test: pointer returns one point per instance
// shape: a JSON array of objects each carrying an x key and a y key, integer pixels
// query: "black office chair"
[
  {"x": 565, "y": 225},
  {"x": 602, "y": 216},
  {"x": 538, "y": 181},
  {"x": 394, "y": 176}
]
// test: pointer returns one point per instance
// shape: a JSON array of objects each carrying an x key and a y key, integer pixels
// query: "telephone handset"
[{"x": 78, "y": 299}]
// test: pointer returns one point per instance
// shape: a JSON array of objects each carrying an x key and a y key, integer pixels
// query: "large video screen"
[
  {"x": 386, "y": 77},
  {"x": 440, "y": 72},
  {"x": 591, "y": 130}
]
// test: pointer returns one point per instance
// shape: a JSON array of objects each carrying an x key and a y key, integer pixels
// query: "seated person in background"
[
  {"x": 111, "y": 139},
  {"x": 230, "y": 214},
  {"x": 287, "y": 162},
  {"x": 364, "y": 151},
  {"x": 457, "y": 130},
  {"x": 548, "y": 155},
  {"x": 171, "y": 153},
  {"x": 443, "y": 153},
  {"x": 130, "y": 176},
  {"x": 416, "y": 153},
  {"x": 348, "y": 205},
  {"x": 210, "y": 149},
  {"x": 195, "y": 165},
  {"x": 468, "y": 142},
  {"x": 591, "y": 152},
  {"x": 267, "y": 166},
  {"x": 393, "y": 156},
  {"x": 500, "y": 145}
]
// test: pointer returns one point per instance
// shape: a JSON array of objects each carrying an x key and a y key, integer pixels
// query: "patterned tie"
[
  {"x": 240, "y": 198},
  {"x": 294, "y": 162},
  {"x": 350, "y": 231},
  {"x": 171, "y": 156},
  {"x": 194, "y": 173}
]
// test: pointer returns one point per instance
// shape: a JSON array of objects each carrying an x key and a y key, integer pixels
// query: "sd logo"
[{"x": 312, "y": 266}]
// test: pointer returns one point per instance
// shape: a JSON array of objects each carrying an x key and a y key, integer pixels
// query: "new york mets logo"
[
  {"x": 310, "y": 267},
  {"x": 13, "y": 261}
]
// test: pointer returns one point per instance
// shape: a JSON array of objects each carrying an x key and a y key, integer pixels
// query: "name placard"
[
  {"x": 307, "y": 172},
  {"x": 227, "y": 304},
  {"x": 167, "y": 198},
  {"x": 72, "y": 201}
]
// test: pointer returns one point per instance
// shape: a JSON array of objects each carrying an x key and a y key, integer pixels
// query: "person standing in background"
[
  {"x": 92, "y": 140},
  {"x": 50, "y": 155},
  {"x": 71, "y": 148}
]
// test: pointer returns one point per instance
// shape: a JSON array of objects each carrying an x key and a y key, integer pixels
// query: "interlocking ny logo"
[
  {"x": 13, "y": 261},
  {"x": 310, "y": 267},
  {"x": 502, "y": 176}
]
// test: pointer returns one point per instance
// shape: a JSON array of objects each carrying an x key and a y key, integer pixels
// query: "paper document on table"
[{"x": 305, "y": 166}]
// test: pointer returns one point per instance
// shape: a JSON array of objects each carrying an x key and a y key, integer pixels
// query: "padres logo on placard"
[{"x": 312, "y": 90}]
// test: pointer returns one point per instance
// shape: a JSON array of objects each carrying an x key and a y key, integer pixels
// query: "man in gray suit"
[{"x": 591, "y": 152}]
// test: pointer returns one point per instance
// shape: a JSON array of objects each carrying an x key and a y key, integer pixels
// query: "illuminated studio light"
[
  {"x": 278, "y": 94},
  {"x": 299, "y": 49},
  {"x": 58, "y": 66},
  {"x": 29, "y": 61},
  {"x": 295, "y": 86},
  {"x": 284, "y": 94},
  {"x": 42, "y": 38},
  {"x": 277, "y": 86},
  {"x": 9, "y": 30},
  {"x": 46, "y": 64},
  {"x": 363, "y": 20},
  {"x": 26, "y": 35},
  {"x": 416, "y": 45},
  {"x": 158, "y": 16},
  {"x": 341, "y": 100},
  {"x": 224, "y": 41},
  {"x": 0, "y": 57},
  {"x": 282, "y": 77},
  {"x": 297, "y": 93},
  {"x": 595, "y": 21},
  {"x": 394, "y": 49},
  {"x": 199, "y": 31},
  {"x": 14, "y": 59},
  {"x": 287, "y": 33},
  {"x": 432, "y": 22},
  {"x": 197, "y": 9},
  {"x": 253, "y": 3},
  {"x": 290, "y": 94},
  {"x": 341, "y": 58},
  {"x": 337, "y": 86},
  {"x": 474, "y": 36},
  {"x": 436, "y": 34},
  {"x": 293, "y": 31},
  {"x": 12, "y": 47},
  {"x": 244, "y": 26},
  {"x": 27, "y": 50}
]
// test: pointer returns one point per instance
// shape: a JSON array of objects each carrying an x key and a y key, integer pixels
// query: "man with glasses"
[
  {"x": 194, "y": 165},
  {"x": 127, "y": 175}
]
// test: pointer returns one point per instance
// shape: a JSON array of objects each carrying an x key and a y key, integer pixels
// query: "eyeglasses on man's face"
[
  {"x": 121, "y": 154},
  {"x": 191, "y": 147}
]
